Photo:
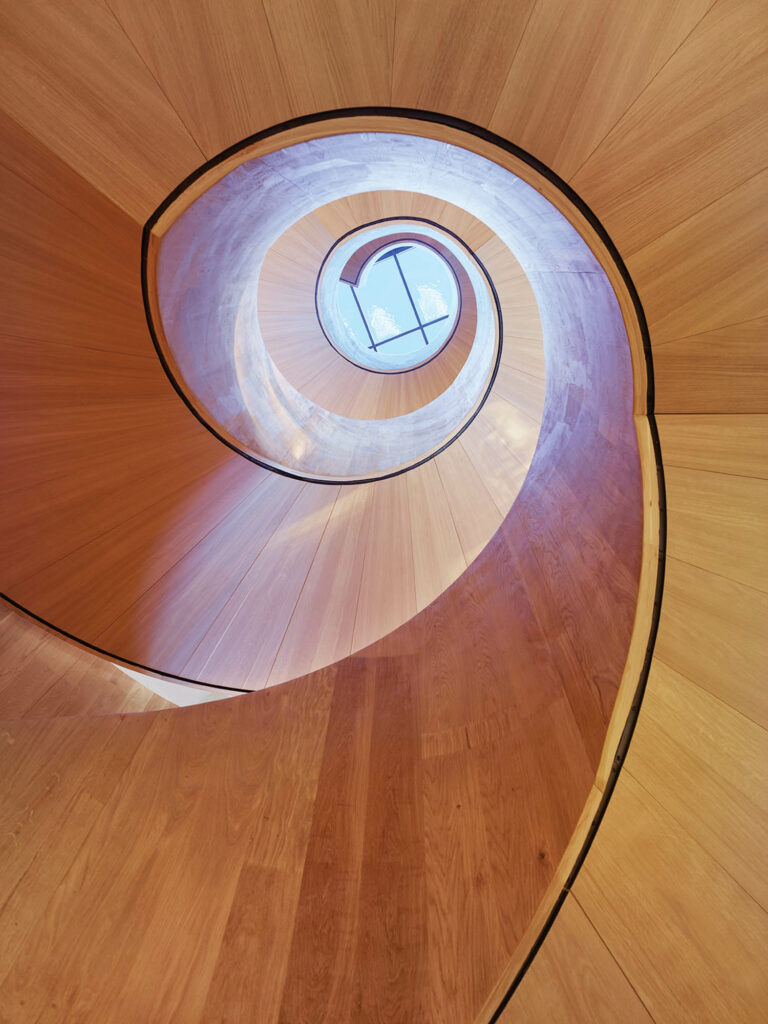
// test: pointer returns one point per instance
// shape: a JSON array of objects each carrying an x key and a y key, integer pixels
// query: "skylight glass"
[{"x": 404, "y": 306}]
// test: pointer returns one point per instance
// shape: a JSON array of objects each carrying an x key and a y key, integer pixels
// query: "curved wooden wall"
[
  {"x": 212, "y": 568},
  {"x": 667, "y": 919}
]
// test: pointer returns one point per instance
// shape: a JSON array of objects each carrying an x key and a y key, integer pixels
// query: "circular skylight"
[{"x": 402, "y": 308}]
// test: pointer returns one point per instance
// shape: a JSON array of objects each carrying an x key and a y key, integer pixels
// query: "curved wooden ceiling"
[{"x": 670, "y": 160}]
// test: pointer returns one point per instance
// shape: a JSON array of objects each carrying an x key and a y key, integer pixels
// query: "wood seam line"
[
  {"x": 503, "y": 440},
  {"x": 235, "y": 590},
  {"x": 668, "y": 463},
  {"x": 229, "y": 511},
  {"x": 469, "y": 458},
  {"x": 115, "y": 526},
  {"x": 658, "y": 799},
  {"x": 695, "y": 565},
  {"x": 413, "y": 553},
  {"x": 10, "y": 336},
  {"x": 392, "y": 55},
  {"x": 70, "y": 210},
  {"x": 367, "y": 531},
  {"x": 710, "y": 330},
  {"x": 285, "y": 91},
  {"x": 116, "y": 722},
  {"x": 632, "y": 253},
  {"x": 715, "y": 696},
  {"x": 647, "y": 85},
  {"x": 607, "y": 948},
  {"x": 289, "y": 944},
  {"x": 714, "y": 412},
  {"x": 453, "y": 518},
  {"x": 96, "y": 188},
  {"x": 511, "y": 64},
  {"x": 138, "y": 53},
  {"x": 114, "y": 659},
  {"x": 301, "y": 590}
]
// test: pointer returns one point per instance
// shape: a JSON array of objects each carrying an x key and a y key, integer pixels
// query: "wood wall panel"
[
  {"x": 717, "y": 523},
  {"x": 717, "y": 758},
  {"x": 455, "y": 62},
  {"x": 555, "y": 102},
  {"x": 75, "y": 81},
  {"x": 667, "y": 912},
  {"x": 237, "y": 86},
  {"x": 713, "y": 631},
  {"x": 713, "y": 125},
  {"x": 683, "y": 290},
  {"x": 720, "y": 371},
  {"x": 734, "y": 445},
  {"x": 574, "y": 979},
  {"x": 345, "y": 52},
  {"x": 685, "y": 933}
]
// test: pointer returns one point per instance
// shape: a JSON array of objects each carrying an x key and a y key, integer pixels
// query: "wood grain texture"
[
  {"x": 732, "y": 445},
  {"x": 685, "y": 292},
  {"x": 238, "y": 86},
  {"x": 655, "y": 116},
  {"x": 42, "y": 675},
  {"x": 565, "y": 57},
  {"x": 574, "y": 979},
  {"x": 720, "y": 371},
  {"x": 102, "y": 114},
  {"x": 346, "y": 52},
  {"x": 717, "y": 522},
  {"x": 651, "y": 890},
  {"x": 456, "y": 62},
  {"x": 713, "y": 125},
  {"x": 717, "y": 758}
]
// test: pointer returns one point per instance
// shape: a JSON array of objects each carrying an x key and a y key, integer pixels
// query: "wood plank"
[
  {"x": 474, "y": 513},
  {"x": 458, "y": 61},
  {"x": 101, "y": 116},
  {"x": 346, "y": 52},
  {"x": 83, "y": 763},
  {"x": 321, "y": 981},
  {"x": 167, "y": 621},
  {"x": 554, "y": 102},
  {"x": 717, "y": 523},
  {"x": 323, "y": 621},
  {"x": 653, "y": 893},
  {"x": 388, "y": 555},
  {"x": 734, "y": 445},
  {"x": 684, "y": 291},
  {"x": 720, "y": 371},
  {"x": 501, "y": 472},
  {"x": 242, "y": 643},
  {"x": 438, "y": 558},
  {"x": 196, "y": 834},
  {"x": 712, "y": 630},
  {"x": 217, "y": 65},
  {"x": 713, "y": 125},
  {"x": 574, "y": 979},
  {"x": 706, "y": 764}
]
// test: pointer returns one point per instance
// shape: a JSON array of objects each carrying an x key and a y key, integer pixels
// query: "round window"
[{"x": 403, "y": 307}]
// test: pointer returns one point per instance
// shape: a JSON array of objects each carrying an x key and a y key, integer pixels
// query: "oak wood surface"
[{"x": 655, "y": 116}]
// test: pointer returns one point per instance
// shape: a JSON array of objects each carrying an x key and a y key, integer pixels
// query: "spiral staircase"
[{"x": 495, "y": 748}]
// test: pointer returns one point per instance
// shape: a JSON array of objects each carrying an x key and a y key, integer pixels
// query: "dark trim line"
[
  {"x": 613, "y": 253},
  {"x": 282, "y": 470},
  {"x": 117, "y": 659},
  {"x": 419, "y": 241},
  {"x": 622, "y": 748}
]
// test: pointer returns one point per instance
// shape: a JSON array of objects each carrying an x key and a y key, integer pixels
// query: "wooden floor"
[{"x": 364, "y": 844}]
